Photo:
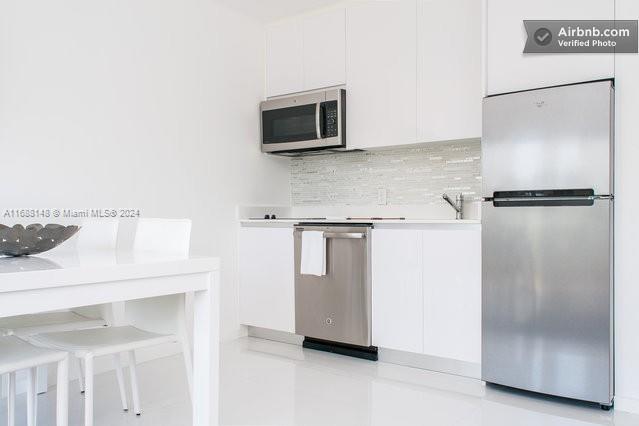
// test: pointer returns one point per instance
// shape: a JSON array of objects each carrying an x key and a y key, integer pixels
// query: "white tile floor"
[{"x": 268, "y": 383}]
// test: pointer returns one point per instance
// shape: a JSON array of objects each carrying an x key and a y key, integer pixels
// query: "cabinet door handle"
[
  {"x": 345, "y": 235},
  {"x": 318, "y": 128}
]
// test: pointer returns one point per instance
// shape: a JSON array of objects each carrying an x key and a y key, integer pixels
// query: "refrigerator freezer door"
[
  {"x": 556, "y": 138},
  {"x": 547, "y": 294}
]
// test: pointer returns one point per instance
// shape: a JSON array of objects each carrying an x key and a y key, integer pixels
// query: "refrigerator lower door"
[{"x": 547, "y": 299}]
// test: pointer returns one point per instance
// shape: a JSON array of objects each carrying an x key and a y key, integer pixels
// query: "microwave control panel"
[{"x": 331, "y": 123}]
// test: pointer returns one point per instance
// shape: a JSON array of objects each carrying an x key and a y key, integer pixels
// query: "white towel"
[{"x": 313, "y": 253}]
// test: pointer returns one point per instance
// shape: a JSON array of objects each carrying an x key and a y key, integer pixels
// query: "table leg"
[{"x": 206, "y": 353}]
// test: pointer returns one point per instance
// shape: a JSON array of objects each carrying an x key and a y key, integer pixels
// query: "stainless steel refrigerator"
[{"x": 547, "y": 241}]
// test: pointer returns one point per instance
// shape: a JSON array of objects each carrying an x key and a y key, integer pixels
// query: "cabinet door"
[
  {"x": 397, "y": 289},
  {"x": 452, "y": 292},
  {"x": 324, "y": 44},
  {"x": 449, "y": 84},
  {"x": 284, "y": 70},
  {"x": 508, "y": 69},
  {"x": 381, "y": 73},
  {"x": 267, "y": 291}
]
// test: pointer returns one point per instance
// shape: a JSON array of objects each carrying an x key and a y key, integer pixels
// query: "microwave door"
[{"x": 290, "y": 127}]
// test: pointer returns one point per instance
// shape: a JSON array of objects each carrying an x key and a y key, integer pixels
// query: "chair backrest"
[
  {"x": 165, "y": 236},
  {"x": 96, "y": 241},
  {"x": 168, "y": 236},
  {"x": 98, "y": 234},
  {"x": 94, "y": 234}
]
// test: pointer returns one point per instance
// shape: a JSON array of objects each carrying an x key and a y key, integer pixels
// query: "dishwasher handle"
[{"x": 345, "y": 235}]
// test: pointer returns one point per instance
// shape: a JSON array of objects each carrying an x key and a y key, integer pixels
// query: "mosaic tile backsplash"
[{"x": 410, "y": 176}]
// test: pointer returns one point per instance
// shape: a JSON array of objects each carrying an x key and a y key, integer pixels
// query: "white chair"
[
  {"x": 155, "y": 236},
  {"x": 163, "y": 236},
  {"x": 25, "y": 325},
  {"x": 94, "y": 235},
  {"x": 167, "y": 237},
  {"x": 15, "y": 355},
  {"x": 97, "y": 234}
]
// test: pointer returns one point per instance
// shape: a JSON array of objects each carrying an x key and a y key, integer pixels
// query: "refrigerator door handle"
[
  {"x": 549, "y": 198},
  {"x": 546, "y": 201},
  {"x": 542, "y": 199}
]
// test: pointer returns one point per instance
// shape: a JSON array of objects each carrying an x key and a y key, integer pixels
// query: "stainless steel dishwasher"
[{"x": 333, "y": 312}]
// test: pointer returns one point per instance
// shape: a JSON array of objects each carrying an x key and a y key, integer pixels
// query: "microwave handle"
[{"x": 318, "y": 125}]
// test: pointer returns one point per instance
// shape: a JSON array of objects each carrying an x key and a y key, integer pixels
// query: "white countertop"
[{"x": 407, "y": 221}]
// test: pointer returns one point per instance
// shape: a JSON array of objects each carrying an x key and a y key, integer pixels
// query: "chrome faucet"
[{"x": 458, "y": 204}]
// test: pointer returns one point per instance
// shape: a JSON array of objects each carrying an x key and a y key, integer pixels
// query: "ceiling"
[{"x": 272, "y": 10}]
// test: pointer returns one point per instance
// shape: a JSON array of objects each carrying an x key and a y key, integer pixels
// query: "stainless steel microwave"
[{"x": 302, "y": 123}]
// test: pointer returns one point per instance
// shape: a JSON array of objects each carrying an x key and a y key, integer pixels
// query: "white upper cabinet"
[
  {"x": 452, "y": 293},
  {"x": 267, "y": 289},
  {"x": 324, "y": 56},
  {"x": 449, "y": 84},
  {"x": 284, "y": 59},
  {"x": 508, "y": 69},
  {"x": 306, "y": 53},
  {"x": 397, "y": 289},
  {"x": 381, "y": 73},
  {"x": 412, "y": 68}
]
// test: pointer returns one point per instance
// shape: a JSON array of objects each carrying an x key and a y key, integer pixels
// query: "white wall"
[
  {"x": 626, "y": 230},
  {"x": 151, "y": 104}
]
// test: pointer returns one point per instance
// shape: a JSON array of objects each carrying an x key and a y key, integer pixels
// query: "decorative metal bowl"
[{"x": 33, "y": 239}]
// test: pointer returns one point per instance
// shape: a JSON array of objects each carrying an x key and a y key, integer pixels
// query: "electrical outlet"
[{"x": 381, "y": 196}]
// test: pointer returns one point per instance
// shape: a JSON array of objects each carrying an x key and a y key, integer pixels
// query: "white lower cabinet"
[
  {"x": 267, "y": 289},
  {"x": 427, "y": 290},
  {"x": 452, "y": 293},
  {"x": 397, "y": 289},
  {"x": 426, "y": 287}
]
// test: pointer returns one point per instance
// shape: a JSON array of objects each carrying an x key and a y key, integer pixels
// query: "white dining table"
[{"x": 57, "y": 281}]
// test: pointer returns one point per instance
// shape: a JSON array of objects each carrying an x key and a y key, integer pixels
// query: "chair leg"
[
  {"x": 42, "y": 379},
  {"x": 80, "y": 374},
  {"x": 118, "y": 372},
  {"x": 11, "y": 400},
  {"x": 134, "y": 383},
  {"x": 88, "y": 390},
  {"x": 32, "y": 396},
  {"x": 62, "y": 403},
  {"x": 188, "y": 364}
]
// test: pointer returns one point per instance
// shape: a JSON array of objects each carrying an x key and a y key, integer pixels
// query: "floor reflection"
[{"x": 270, "y": 383}]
